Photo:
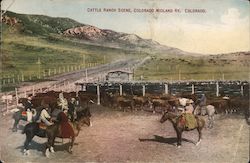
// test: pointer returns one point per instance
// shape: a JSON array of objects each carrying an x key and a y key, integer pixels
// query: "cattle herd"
[{"x": 149, "y": 102}]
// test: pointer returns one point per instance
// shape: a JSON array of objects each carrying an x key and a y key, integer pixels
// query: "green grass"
[
  {"x": 39, "y": 38},
  {"x": 21, "y": 53},
  {"x": 192, "y": 69}
]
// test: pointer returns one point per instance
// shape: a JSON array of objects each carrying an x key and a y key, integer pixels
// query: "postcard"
[{"x": 125, "y": 81}]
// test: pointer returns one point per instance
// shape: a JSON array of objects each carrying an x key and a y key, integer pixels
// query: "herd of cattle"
[{"x": 150, "y": 102}]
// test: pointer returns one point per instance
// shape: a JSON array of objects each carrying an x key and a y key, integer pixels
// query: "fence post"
[
  {"x": 98, "y": 94},
  {"x": 84, "y": 87},
  {"x": 76, "y": 88},
  {"x": 120, "y": 89},
  {"x": 166, "y": 88},
  {"x": 193, "y": 89},
  {"x": 86, "y": 75},
  {"x": 16, "y": 96},
  {"x": 143, "y": 90},
  {"x": 242, "y": 90},
  {"x": 217, "y": 89},
  {"x": 68, "y": 86},
  {"x": 25, "y": 93}
]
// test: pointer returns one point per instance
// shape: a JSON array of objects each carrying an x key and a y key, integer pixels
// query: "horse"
[
  {"x": 51, "y": 132},
  {"x": 206, "y": 110},
  {"x": 20, "y": 115},
  {"x": 77, "y": 107},
  {"x": 180, "y": 127}
]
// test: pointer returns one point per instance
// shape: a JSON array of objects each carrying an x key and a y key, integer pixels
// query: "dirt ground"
[{"x": 134, "y": 137}]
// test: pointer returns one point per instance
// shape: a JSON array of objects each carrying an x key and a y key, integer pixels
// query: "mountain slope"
[
  {"x": 45, "y": 25},
  {"x": 42, "y": 25},
  {"x": 111, "y": 38}
]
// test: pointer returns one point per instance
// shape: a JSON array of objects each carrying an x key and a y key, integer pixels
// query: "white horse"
[{"x": 206, "y": 110}]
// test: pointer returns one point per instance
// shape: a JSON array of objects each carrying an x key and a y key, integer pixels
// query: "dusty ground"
[{"x": 135, "y": 137}]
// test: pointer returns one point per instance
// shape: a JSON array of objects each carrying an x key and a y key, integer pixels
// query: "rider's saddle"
[
  {"x": 42, "y": 126},
  {"x": 182, "y": 120}
]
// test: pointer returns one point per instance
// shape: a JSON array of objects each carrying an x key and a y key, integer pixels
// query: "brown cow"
[
  {"x": 124, "y": 102},
  {"x": 221, "y": 105},
  {"x": 174, "y": 102},
  {"x": 140, "y": 102},
  {"x": 239, "y": 105},
  {"x": 163, "y": 104},
  {"x": 86, "y": 98},
  {"x": 108, "y": 99}
]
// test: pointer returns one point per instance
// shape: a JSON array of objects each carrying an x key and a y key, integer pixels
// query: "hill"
[
  {"x": 40, "y": 25},
  {"x": 231, "y": 66}
]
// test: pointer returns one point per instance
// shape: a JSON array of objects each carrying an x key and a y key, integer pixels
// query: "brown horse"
[
  {"x": 32, "y": 129},
  {"x": 54, "y": 131},
  {"x": 180, "y": 127}
]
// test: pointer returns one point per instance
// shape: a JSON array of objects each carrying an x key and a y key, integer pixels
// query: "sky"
[{"x": 224, "y": 27}]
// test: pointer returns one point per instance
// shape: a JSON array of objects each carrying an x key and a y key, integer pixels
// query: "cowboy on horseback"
[
  {"x": 66, "y": 129},
  {"x": 28, "y": 107},
  {"x": 44, "y": 116},
  {"x": 62, "y": 102},
  {"x": 72, "y": 109},
  {"x": 189, "y": 107},
  {"x": 188, "y": 116}
]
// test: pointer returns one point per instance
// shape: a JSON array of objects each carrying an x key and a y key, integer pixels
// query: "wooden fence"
[{"x": 215, "y": 88}]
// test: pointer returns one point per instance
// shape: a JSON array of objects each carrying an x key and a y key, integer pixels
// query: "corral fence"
[
  {"x": 210, "y": 88},
  {"x": 43, "y": 74},
  {"x": 10, "y": 100},
  {"x": 213, "y": 88}
]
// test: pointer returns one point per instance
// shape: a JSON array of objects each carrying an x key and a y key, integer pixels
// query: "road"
[{"x": 66, "y": 81}]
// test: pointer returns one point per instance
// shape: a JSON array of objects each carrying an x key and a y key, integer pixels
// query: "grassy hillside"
[
  {"x": 198, "y": 68},
  {"x": 34, "y": 49},
  {"x": 42, "y": 25}
]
